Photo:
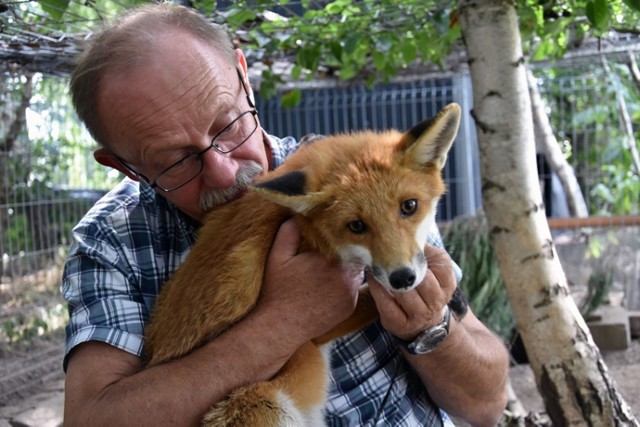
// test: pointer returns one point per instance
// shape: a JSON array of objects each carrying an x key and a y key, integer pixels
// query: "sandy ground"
[{"x": 624, "y": 367}]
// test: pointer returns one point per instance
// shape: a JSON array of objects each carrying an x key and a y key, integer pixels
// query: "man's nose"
[{"x": 219, "y": 170}]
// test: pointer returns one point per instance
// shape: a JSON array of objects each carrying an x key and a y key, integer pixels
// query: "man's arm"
[
  {"x": 107, "y": 386},
  {"x": 466, "y": 375}
]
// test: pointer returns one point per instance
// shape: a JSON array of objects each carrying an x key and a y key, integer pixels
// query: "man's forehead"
[{"x": 174, "y": 75}]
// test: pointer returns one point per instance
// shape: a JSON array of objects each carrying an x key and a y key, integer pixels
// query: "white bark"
[{"x": 570, "y": 373}]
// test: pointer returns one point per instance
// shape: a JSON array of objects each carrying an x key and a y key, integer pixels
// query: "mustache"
[{"x": 245, "y": 176}]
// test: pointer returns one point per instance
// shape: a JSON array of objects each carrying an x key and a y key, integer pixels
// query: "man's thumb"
[{"x": 287, "y": 240}]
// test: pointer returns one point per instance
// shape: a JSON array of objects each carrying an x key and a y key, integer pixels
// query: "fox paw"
[{"x": 251, "y": 406}]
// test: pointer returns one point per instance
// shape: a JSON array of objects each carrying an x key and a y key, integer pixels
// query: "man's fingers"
[
  {"x": 385, "y": 301},
  {"x": 437, "y": 258},
  {"x": 440, "y": 266}
]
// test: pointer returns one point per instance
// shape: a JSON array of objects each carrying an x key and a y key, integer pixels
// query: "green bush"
[{"x": 467, "y": 240}]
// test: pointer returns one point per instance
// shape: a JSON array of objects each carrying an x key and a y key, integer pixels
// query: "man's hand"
[
  {"x": 406, "y": 314},
  {"x": 451, "y": 373},
  {"x": 311, "y": 294}
]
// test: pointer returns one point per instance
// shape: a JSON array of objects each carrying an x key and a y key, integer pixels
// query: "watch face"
[{"x": 428, "y": 341}]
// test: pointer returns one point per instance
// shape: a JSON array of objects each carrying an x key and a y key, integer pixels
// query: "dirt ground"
[
  {"x": 624, "y": 367},
  {"x": 32, "y": 390}
]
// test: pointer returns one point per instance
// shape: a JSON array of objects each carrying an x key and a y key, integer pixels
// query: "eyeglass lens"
[{"x": 230, "y": 138}]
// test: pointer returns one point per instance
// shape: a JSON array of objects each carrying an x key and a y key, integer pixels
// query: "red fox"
[{"x": 368, "y": 198}]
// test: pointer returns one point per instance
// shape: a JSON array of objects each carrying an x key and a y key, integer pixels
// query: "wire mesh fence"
[{"x": 48, "y": 178}]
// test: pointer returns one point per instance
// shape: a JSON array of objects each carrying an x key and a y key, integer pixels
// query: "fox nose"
[{"x": 402, "y": 278}]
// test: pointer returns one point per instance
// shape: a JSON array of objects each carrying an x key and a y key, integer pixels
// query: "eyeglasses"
[{"x": 189, "y": 167}]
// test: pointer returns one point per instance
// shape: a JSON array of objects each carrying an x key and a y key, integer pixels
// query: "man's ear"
[
  {"x": 104, "y": 157},
  {"x": 242, "y": 66}
]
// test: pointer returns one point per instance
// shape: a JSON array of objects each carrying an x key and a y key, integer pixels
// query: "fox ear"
[
  {"x": 429, "y": 141},
  {"x": 289, "y": 190}
]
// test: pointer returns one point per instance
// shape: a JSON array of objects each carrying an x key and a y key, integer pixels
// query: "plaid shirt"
[{"x": 131, "y": 242}]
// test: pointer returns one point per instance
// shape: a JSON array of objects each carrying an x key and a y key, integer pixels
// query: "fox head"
[{"x": 369, "y": 198}]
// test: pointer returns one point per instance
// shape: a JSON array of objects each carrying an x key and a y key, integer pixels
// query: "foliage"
[
  {"x": 549, "y": 28},
  {"x": 467, "y": 240},
  {"x": 72, "y": 16},
  {"x": 598, "y": 287},
  {"x": 46, "y": 158},
  {"x": 373, "y": 40},
  {"x": 596, "y": 143},
  {"x": 60, "y": 143},
  {"x": 369, "y": 40},
  {"x": 26, "y": 326}
]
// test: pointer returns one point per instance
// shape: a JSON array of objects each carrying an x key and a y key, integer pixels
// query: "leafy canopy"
[{"x": 373, "y": 40}]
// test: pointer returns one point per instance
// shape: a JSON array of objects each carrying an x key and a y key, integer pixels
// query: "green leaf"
[
  {"x": 409, "y": 52},
  {"x": 237, "y": 17},
  {"x": 598, "y": 13},
  {"x": 351, "y": 43},
  {"x": 544, "y": 50},
  {"x": 296, "y": 71},
  {"x": 633, "y": 4},
  {"x": 336, "y": 7},
  {"x": 347, "y": 73},
  {"x": 336, "y": 49},
  {"x": 269, "y": 84},
  {"x": 260, "y": 38},
  {"x": 308, "y": 57},
  {"x": 55, "y": 8},
  {"x": 291, "y": 98},
  {"x": 528, "y": 19},
  {"x": 556, "y": 26},
  {"x": 379, "y": 60}
]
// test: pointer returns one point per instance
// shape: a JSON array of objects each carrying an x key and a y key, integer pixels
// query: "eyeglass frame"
[{"x": 154, "y": 184}]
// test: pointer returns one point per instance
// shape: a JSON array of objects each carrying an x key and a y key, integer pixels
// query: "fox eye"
[
  {"x": 409, "y": 207},
  {"x": 357, "y": 227}
]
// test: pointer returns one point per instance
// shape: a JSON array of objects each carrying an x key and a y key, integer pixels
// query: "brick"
[
  {"x": 634, "y": 324},
  {"x": 610, "y": 328}
]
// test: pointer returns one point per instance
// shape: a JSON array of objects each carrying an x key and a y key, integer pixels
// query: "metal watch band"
[{"x": 429, "y": 339}]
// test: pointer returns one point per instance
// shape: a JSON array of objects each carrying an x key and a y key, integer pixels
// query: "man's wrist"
[{"x": 431, "y": 338}]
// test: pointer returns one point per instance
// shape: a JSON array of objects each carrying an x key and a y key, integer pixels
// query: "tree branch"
[
  {"x": 549, "y": 144},
  {"x": 629, "y": 140}
]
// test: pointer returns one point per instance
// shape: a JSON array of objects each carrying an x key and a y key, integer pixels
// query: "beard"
[{"x": 246, "y": 175}]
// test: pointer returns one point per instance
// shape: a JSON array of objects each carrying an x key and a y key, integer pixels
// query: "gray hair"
[{"x": 127, "y": 42}]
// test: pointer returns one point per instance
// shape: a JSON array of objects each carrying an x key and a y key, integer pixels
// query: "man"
[{"x": 167, "y": 98}]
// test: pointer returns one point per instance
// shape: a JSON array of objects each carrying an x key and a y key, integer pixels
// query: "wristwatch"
[{"x": 429, "y": 339}]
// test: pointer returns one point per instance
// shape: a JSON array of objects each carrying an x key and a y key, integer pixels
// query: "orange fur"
[{"x": 328, "y": 184}]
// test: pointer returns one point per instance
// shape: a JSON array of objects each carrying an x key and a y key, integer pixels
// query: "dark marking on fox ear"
[
  {"x": 290, "y": 184},
  {"x": 420, "y": 128},
  {"x": 448, "y": 119},
  {"x": 428, "y": 142}
]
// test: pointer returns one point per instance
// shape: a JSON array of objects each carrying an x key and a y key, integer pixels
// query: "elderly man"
[{"x": 167, "y": 97}]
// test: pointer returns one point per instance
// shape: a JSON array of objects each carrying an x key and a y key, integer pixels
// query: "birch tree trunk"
[{"x": 570, "y": 373}]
